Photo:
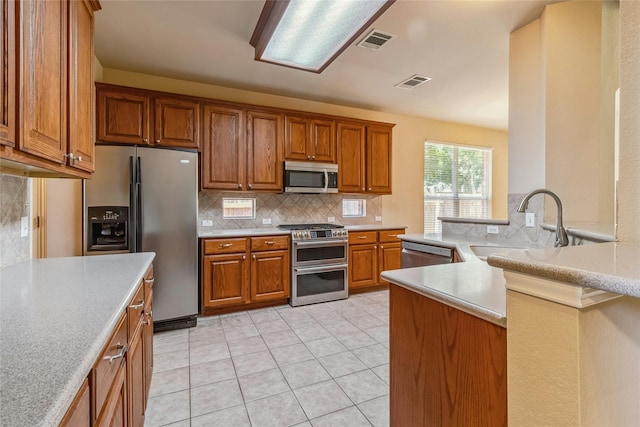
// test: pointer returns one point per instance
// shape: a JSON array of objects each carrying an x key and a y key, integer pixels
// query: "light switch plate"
[
  {"x": 530, "y": 219},
  {"x": 492, "y": 229},
  {"x": 24, "y": 226},
  {"x": 331, "y": 219},
  {"x": 266, "y": 221},
  {"x": 378, "y": 218},
  {"x": 207, "y": 223}
]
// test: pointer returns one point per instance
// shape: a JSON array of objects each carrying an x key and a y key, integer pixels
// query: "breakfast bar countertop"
[{"x": 56, "y": 316}]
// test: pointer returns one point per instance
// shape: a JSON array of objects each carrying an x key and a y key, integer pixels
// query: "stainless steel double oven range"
[{"x": 319, "y": 270}]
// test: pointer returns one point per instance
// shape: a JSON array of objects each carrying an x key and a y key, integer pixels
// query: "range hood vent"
[
  {"x": 375, "y": 39},
  {"x": 413, "y": 82}
]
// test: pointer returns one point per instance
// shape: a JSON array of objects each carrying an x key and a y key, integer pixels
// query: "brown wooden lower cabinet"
[
  {"x": 370, "y": 253},
  {"x": 447, "y": 367},
  {"x": 79, "y": 413}
]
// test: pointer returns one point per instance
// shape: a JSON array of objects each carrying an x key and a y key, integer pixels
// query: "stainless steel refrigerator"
[{"x": 143, "y": 199}]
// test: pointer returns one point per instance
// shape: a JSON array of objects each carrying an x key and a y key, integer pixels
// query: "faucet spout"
[{"x": 561, "y": 233}]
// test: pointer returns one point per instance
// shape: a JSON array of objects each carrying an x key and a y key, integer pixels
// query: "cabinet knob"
[
  {"x": 369, "y": 188},
  {"x": 240, "y": 186},
  {"x": 381, "y": 247},
  {"x": 145, "y": 140},
  {"x": 308, "y": 157},
  {"x": 249, "y": 186},
  {"x": 147, "y": 322},
  {"x": 362, "y": 188},
  {"x": 375, "y": 246},
  {"x": 244, "y": 257},
  {"x": 157, "y": 141},
  {"x": 313, "y": 157},
  {"x": 254, "y": 256}
]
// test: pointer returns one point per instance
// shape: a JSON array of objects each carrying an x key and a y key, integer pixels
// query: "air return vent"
[
  {"x": 375, "y": 39},
  {"x": 413, "y": 82}
]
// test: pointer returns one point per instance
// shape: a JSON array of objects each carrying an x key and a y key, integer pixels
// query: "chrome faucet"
[{"x": 561, "y": 233}]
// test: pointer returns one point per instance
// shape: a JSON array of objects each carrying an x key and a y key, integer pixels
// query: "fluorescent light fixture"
[{"x": 310, "y": 34}]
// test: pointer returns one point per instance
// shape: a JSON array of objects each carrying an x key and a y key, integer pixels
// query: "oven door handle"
[
  {"x": 317, "y": 243},
  {"x": 332, "y": 267}
]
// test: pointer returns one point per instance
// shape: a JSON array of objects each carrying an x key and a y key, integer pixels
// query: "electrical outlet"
[
  {"x": 266, "y": 221},
  {"x": 207, "y": 223},
  {"x": 492, "y": 229},
  {"x": 24, "y": 226},
  {"x": 331, "y": 219},
  {"x": 378, "y": 218},
  {"x": 530, "y": 219}
]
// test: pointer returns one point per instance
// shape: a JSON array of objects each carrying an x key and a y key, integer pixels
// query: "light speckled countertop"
[
  {"x": 56, "y": 315},
  {"x": 208, "y": 232},
  {"x": 371, "y": 227},
  {"x": 612, "y": 267}
]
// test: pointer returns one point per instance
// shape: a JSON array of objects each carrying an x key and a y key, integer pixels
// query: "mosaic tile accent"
[
  {"x": 285, "y": 209},
  {"x": 14, "y": 204}
]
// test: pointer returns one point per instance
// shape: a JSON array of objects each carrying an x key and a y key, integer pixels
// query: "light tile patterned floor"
[{"x": 317, "y": 365}]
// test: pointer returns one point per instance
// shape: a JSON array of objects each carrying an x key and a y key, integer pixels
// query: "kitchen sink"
[{"x": 483, "y": 251}]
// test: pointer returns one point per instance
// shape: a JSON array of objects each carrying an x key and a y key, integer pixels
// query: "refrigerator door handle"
[
  {"x": 133, "y": 197},
  {"x": 139, "y": 207}
]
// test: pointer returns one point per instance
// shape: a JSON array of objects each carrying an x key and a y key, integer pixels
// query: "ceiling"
[{"x": 462, "y": 45}]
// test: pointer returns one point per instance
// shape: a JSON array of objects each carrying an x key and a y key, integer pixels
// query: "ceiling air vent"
[
  {"x": 413, "y": 81},
  {"x": 375, "y": 39}
]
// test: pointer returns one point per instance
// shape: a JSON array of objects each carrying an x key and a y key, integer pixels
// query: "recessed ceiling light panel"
[
  {"x": 310, "y": 34},
  {"x": 413, "y": 82}
]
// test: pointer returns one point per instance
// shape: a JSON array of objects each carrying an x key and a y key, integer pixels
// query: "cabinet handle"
[
  {"x": 226, "y": 245},
  {"x": 157, "y": 141},
  {"x": 381, "y": 247},
  {"x": 137, "y": 306},
  {"x": 240, "y": 186},
  {"x": 362, "y": 237},
  {"x": 249, "y": 186},
  {"x": 254, "y": 256},
  {"x": 244, "y": 257},
  {"x": 147, "y": 322},
  {"x": 313, "y": 157},
  {"x": 145, "y": 140},
  {"x": 123, "y": 350},
  {"x": 269, "y": 242},
  {"x": 308, "y": 157},
  {"x": 375, "y": 246},
  {"x": 369, "y": 188},
  {"x": 152, "y": 280},
  {"x": 393, "y": 235}
]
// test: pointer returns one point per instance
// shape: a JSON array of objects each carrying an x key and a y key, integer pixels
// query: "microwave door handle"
[{"x": 326, "y": 180}]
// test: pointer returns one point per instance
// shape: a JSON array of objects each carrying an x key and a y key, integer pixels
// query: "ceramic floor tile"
[
  {"x": 262, "y": 384},
  {"x": 304, "y": 373},
  {"x": 236, "y": 416},
  {"x": 208, "y": 353},
  {"x": 365, "y": 322},
  {"x": 165, "y": 343},
  {"x": 362, "y": 386},
  {"x": 211, "y": 372},
  {"x": 322, "y": 398},
  {"x": 373, "y": 356},
  {"x": 382, "y": 372},
  {"x": 247, "y": 346},
  {"x": 214, "y": 397},
  {"x": 379, "y": 333},
  {"x": 311, "y": 333},
  {"x": 167, "y": 409},
  {"x": 240, "y": 332},
  {"x": 356, "y": 340},
  {"x": 254, "y": 362},
  {"x": 171, "y": 360},
  {"x": 268, "y": 326},
  {"x": 169, "y": 381},
  {"x": 291, "y": 354},
  {"x": 350, "y": 416},
  {"x": 209, "y": 321},
  {"x": 259, "y": 316},
  {"x": 276, "y": 411},
  {"x": 280, "y": 339},
  {"x": 236, "y": 321},
  {"x": 342, "y": 364},
  {"x": 325, "y": 347},
  {"x": 376, "y": 411},
  {"x": 206, "y": 335},
  {"x": 183, "y": 423}
]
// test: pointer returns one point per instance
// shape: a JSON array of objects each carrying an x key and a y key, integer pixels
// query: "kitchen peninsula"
[{"x": 57, "y": 315}]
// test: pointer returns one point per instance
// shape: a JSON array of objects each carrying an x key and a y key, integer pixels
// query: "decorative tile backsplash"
[
  {"x": 285, "y": 209},
  {"x": 14, "y": 204}
]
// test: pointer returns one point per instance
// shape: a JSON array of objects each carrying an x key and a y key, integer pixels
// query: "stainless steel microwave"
[{"x": 310, "y": 177}]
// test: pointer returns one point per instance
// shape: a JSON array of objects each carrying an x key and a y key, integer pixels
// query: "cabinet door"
[
  {"x": 264, "y": 151},
  {"x": 351, "y": 159},
  {"x": 81, "y": 75},
  {"x": 114, "y": 412},
  {"x": 123, "y": 117},
  {"x": 389, "y": 255},
  {"x": 323, "y": 140},
  {"x": 135, "y": 377},
  {"x": 363, "y": 269},
  {"x": 225, "y": 280},
  {"x": 223, "y": 148},
  {"x": 8, "y": 77},
  {"x": 43, "y": 83},
  {"x": 378, "y": 160},
  {"x": 270, "y": 272},
  {"x": 297, "y": 134},
  {"x": 79, "y": 413},
  {"x": 177, "y": 122},
  {"x": 148, "y": 346}
]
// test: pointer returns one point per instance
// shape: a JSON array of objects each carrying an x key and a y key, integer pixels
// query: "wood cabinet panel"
[
  {"x": 389, "y": 258},
  {"x": 8, "y": 76},
  {"x": 177, "y": 122},
  {"x": 351, "y": 158},
  {"x": 447, "y": 367},
  {"x": 135, "y": 377},
  {"x": 297, "y": 131},
  {"x": 363, "y": 265},
  {"x": 79, "y": 413},
  {"x": 114, "y": 413},
  {"x": 378, "y": 167},
  {"x": 270, "y": 272},
  {"x": 148, "y": 346},
  {"x": 389, "y": 236},
  {"x": 361, "y": 237},
  {"x": 123, "y": 116},
  {"x": 43, "y": 107},
  {"x": 225, "y": 280},
  {"x": 264, "y": 151},
  {"x": 310, "y": 138},
  {"x": 323, "y": 140},
  {"x": 269, "y": 243},
  {"x": 224, "y": 246},
  {"x": 224, "y": 148},
  {"x": 135, "y": 311}
]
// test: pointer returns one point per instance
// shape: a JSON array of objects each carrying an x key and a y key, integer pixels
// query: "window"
[
  {"x": 354, "y": 207},
  {"x": 457, "y": 183},
  {"x": 238, "y": 208}
]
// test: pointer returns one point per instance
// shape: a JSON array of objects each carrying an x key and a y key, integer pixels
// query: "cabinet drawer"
[
  {"x": 106, "y": 368},
  {"x": 134, "y": 311},
  {"x": 224, "y": 246},
  {"x": 389, "y": 236},
  {"x": 148, "y": 283},
  {"x": 361, "y": 237},
  {"x": 268, "y": 243}
]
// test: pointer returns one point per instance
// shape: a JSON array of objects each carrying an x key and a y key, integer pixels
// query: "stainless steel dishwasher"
[{"x": 421, "y": 255}]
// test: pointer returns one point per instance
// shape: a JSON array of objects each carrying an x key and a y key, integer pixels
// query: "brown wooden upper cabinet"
[
  {"x": 51, "y": 114},
  {"x": 309, "y": 138},
  {"x": 129, "y": 116},
  {"x": 364, "y": 158}
]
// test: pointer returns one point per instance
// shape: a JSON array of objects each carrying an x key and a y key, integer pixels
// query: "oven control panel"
[{"x": 319, "y": 234}]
